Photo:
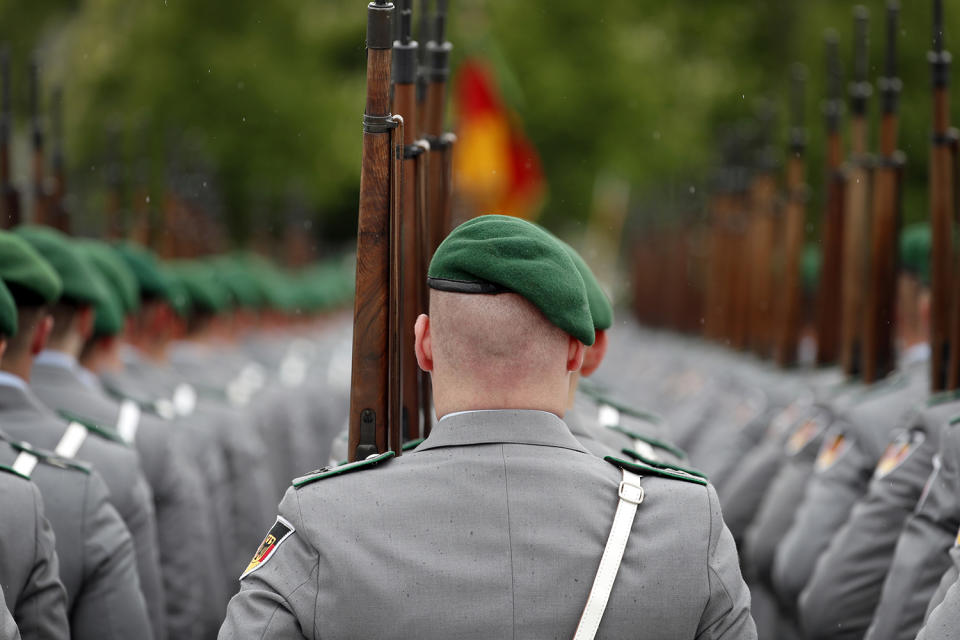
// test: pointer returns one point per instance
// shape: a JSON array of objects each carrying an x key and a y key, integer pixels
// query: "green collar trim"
[
  {"x": 645, "y": 469},
  {"x": 943, "y": 397},
  {"x": 49, "y": 457},
  {"x": 412, "y": 444},
  {"x": 329, "y": 472},
  {"x": 653, "y": 442},
  {"x": 633, "y": 412},
  {"x": 92, "y": 427},
  {"x": 663, "y": 465},
  {"x": 12, "y": 471}
]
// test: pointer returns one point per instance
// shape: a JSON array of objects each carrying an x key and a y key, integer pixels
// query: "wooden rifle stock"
[
  {"x": 439, "y": 182},
  {"x": 59, "y": 218},
  {"x": 11, "y": 216},
  {"x": 374, "y": 401},
  {"x": 760, "y": 232}
]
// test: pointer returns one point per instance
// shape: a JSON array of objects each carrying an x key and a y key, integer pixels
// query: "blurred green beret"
[
  {"x": 8, "y": 313},
  {"x": 109, "y": 315},
  {"x": 202, "y": 287},
  {"x": 146, "y": 269},
  {"x": 29, "y": 276},
  {"x": 915, "y": 251},
  {"x": 82, "y": 283},
  {"x": 810, "y": 269},
  {"x": 600, "y": 308},
  {"x": 176, "y": 290},
  {"x": 233, "y": 276},
  {"x": 118, "y": 276},
  {"x": 498, "y": 254}
]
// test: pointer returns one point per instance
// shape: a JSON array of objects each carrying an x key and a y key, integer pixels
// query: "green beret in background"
[
  {"x": 114, "y": 269},
  {"x": 82, "y": 283},
  {"x": 29, "y": 276},
  {"x": 8, "y": 313},
  {"x": 810, "y": 268},
  {"x": 915, "y": 251},
  {"x": 600, "y": 308},
  {"x": 177, "y": 295},
  {"x": 146, "y": 269},
  {"x": 109, "y": 315},
  {"x": 201, "y": 285},
  {"x": 498, "y": 254},
  {"x": 234, "y": 278}
]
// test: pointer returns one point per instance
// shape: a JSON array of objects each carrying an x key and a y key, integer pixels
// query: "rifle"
[
  {"x": 59, "y": 217},
  {"x": 374, "y": 385},
  {"x": 789, "y": 324},
  {"x": 412, "y": 221},
  {"x": 441, "y": 152},
  {"x": 39, "y": 165},
  {"x": 762, "y": 203},
  {"x": 856, "y": 205},
  {"x": 11, "y": 197},
  {"x": 879, "y": 357},
  {"x": 832, "y": 237},
  {"x": 943, "y": 371}
]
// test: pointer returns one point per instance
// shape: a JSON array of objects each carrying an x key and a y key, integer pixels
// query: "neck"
[
  {"x": 19, "y": 367},
  {"x": 574, "y": 384},
  {"x": 461, "y": 397},
  {"x": 100, "y": 359}
]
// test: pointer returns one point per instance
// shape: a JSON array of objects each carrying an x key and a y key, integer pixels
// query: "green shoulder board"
[
  {"x": 92, "y": 427},
  {"x": 329, "y": 472},
  {"x": 50, "y": 458},
  {"x": 12, "y": 471},
  {"x": 943, "y": 397},
  {"x": 663, "y": 465},
  {"x": 645, "y": 469},
  {"x": 653, "y": 442},
  {"x": 413, "y": 444}
]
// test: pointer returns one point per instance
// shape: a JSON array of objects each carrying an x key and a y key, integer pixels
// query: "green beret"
[
  {"x": 109, "y": 315},
  {"x": 29, "y": 276},
  {"x": 915, "y": 251},
  {"x": 118, "y": 276},
  {"x": 497, "y": 254},
  {"x": 146, "y": 269},
  {"x": 234, "y": 278},
  {"x": 177, "y": 295},
  {"x": 8, "y": 313},
  {"x": 82, "y": 283},
  {"x": 810, "y": 269},
  {"x": 600, "y": 308},
  {"x": 202, "y": 287}
]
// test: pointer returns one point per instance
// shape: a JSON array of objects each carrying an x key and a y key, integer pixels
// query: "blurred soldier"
[
  {"x": 8, "y": 628},
  {"x": 944, "y": 620},
  {"x": 25, "y": 418},
  {"x": 509, "y": 321}
]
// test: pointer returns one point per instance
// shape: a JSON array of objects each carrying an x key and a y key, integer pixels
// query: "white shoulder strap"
[
  {"x": 25, "y": 463},
  {"x": 71, "y": 440},
  {"x": 631, "y": 495},
  {"x": 128, "y": 421}
]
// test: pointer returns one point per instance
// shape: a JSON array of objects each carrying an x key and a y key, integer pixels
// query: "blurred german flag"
[{"x": 496, "y": 168}]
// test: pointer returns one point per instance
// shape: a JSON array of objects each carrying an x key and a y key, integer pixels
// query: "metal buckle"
[{"x": 632, "y": 493}]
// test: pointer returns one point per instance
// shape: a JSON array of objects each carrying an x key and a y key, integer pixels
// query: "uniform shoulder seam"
[
  {"x": 645, "y": 469},
  {"x": 329, "y": 472}
]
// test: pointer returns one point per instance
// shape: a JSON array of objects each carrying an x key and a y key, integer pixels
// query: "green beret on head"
[
  {"x": 177, "y": 294},
  {"x": 810, "y": 269},
  {"x": 110, "y": 315},
  {"x": 8, "y": 313},
  {"x": 202, "y": 287},
  {"x": 600, "y": 308},
  {"x": 31, "y": 279},
  {"x": 915, "y": 251},
  {"x": 146, "y": 269},
  {"x": 115, "y": 272},
  {"x": 498, "y": 254},
  {"x": 82, "y": 283}
]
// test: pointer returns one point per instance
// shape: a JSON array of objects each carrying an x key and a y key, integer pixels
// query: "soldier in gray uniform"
[
  {"x": 8, "y": 628},
  {"x": 34, "y": 285},
  {"x": 495, "y": 525},
  {"x": 944, "y": 620}
]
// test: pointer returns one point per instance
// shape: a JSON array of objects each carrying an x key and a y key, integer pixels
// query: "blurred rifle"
[
  {"x": 413, "y": 231},
  {"x": 832, "y": 233},
  {"x": 439, "y": 183},
  {"x": 374, "y": 387},
  {"x": 11, "y": 197},
  {"x": 761, "y": 223},
  {"x": 40, "y": 200},
  {"x": 943, "y": 336},
  {"x": 59, "y": 217},
  {"x": 879, "y": 356},
  {"x": 856, "y": 205},
  {"x": 789, "y": 321}
]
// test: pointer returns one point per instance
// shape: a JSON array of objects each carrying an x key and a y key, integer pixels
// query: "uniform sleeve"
[
  {"x": 727, "y": 614},
  {"x": 8, "y": 628},
  {"x": 41, "y": 611},
  {"x": 111, "y": 605},
  {"x": 278, "y": 598},
  {"x": 141, "y": 521},
  {"x": 945, "y": 619}
]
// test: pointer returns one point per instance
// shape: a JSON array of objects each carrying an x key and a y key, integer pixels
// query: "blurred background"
[{"x": 250, "y": 111}]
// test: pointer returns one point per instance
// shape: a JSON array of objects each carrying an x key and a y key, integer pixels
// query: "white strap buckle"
[{"x": 632, "y": 493}]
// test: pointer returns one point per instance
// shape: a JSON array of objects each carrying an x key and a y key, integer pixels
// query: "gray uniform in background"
[
  {"x": 8, "y": 628},
  {"x": 944, "y": 621},
  {"x": 178, "y": 496},
  {"x": 492, "y": 528},
  {"x": 97, "y": 565},
  {"x": 29, "y": 568},
  {"x": 25, "y": 418}
]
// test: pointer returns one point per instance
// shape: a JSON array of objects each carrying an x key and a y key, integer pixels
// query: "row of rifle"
[
  {"x": 741, "y": 274},
  {"x": 405, "y": 211}
]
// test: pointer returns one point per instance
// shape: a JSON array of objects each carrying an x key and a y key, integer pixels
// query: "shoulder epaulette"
[
  {"x": 329, "y": 472},
  {"x": 13, "y": 472},
  {"x": 49, "y": 457},
  {"x": 663, "y": 465},
  {"x": 412, "y": 444},
  {"x": 645, "y": 469},
  {"x": 92, "y": 427},
  {"x": 943, "y": 397},
  {"x": 653, "y": 442}
]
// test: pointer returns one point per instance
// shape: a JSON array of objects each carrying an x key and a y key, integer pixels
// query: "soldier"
[
  {"x": 35, "y": 286},
  {"x": 8, "y": 628},
  {"x": 509, "y": 321}
]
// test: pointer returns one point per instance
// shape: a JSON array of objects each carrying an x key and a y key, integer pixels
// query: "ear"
[
  {"x": 595, "y": 353},
  {"x": 40, "y": 335},
  {"x": 575, "y": 353},
  {"x": 423, "y": 345},
  {"x": 3, "y": 347},
  {"x": 84, "y": 322}
]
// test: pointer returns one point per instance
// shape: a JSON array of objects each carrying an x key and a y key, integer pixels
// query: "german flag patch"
[
  {"x": 279, "y": 532},
  {"x": 898, "y": 451},
  {"x": 831, "y": 451}
]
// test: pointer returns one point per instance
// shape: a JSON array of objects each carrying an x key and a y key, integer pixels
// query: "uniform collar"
[
  {"x": 59, "y": 359},
  {"x": 513, "y": 426},
  {"x": 15, "y": 382}
]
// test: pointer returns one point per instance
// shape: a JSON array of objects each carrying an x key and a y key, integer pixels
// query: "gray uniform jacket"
[
  {"x": 944, "y": 621},
  {"x": 178, "y": 496},
  {"x": 97, "y": 563},
  {"x": 25, "y": 418},
  {"x": 29, "y": 567},
  {"x": 492, "y": 528},
  {"x": 8, "y": 628}
]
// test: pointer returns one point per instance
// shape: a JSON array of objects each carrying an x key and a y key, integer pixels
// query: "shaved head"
[{"x": 494, "y": 352}]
